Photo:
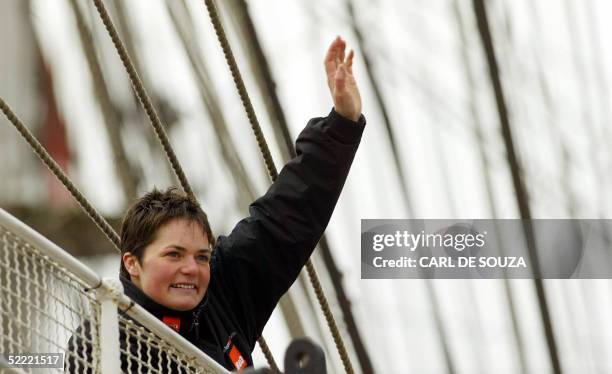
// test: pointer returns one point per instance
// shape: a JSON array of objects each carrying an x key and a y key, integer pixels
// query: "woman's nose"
[{"x": 189, "y": 265}]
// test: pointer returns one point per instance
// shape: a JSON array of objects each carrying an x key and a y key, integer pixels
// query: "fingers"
[
  {"x": 339, "y": 67},
  {"x": 349, "y": 62},
  {"x": 340, "y": 79},
  {"x": 335, "y": 54},
  {"x": 331, "y": 58}
]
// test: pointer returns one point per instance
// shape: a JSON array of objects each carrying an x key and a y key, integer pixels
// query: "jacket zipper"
[{"x": 196, "y": 324}]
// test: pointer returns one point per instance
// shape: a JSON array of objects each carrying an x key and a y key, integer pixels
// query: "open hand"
[{"x": 342, "y": 85}]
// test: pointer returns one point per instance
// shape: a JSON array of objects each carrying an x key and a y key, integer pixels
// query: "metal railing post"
[{"x": 110, "y": 359}]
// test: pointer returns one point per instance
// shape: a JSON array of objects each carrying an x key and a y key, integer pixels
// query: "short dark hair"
[{"x": 149, "y": 213}]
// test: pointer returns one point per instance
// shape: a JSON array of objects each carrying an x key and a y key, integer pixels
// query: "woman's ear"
[{"x": 131, "y": 264}]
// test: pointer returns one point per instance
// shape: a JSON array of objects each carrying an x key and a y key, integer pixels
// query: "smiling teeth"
[{"x": 187, "y": 286}]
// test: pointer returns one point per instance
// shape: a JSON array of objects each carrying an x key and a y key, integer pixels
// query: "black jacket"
[{"x": 259, "y": 260}]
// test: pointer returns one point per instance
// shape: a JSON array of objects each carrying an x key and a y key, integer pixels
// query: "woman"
[{"x": 220, "y": 295}]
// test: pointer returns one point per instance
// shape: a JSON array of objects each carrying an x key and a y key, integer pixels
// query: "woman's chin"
[{"x": 183, "y": 304}]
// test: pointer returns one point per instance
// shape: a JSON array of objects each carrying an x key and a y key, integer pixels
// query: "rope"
[
  {"x": 57, "y": 171},
  {"x": 147, "y": 105},
  {"x": 268, "y": 354},
  {"x": 329, "y": 317},
  {"x": 265, "y": 151},
  {"x": 242, "y": 91},
  {"x": 143, "y": 97}
]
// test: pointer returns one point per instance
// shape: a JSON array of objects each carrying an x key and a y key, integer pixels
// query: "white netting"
[
  {"x": 48, "y": 307},
  {"x": 41, "y": 304},
  {"x": 149, "y": 354}
]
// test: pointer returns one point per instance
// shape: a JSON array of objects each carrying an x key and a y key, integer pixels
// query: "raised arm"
[{"x": 264, "y": 253}]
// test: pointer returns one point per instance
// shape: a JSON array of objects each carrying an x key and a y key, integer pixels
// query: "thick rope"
[
  {"x": 143, "y": 97},
  {"x": 268, "y": 354},
  {"x": 329, "y": 317},
  {"x": 244, "y": 95},
  {"x": 265, "y": 151},
  {"x": 57, "y": 171},
  {"x": 147, "y": 105}
]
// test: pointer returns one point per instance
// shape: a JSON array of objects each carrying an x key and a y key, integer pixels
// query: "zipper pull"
[{"x": 196, "y": 324}]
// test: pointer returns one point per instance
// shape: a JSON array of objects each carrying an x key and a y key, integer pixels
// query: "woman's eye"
[
  {"x": 203, "y": 258},
  {"x": 173, "y": 254}
]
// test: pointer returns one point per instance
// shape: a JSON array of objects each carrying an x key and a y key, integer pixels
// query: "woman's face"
[{"x": 175, "y": 268}]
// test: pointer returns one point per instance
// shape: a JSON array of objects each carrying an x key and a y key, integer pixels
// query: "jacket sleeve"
[{"x": 264, "y": 253}]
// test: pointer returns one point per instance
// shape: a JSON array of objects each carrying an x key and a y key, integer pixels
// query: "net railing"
[{"x": 50, "y": 303}]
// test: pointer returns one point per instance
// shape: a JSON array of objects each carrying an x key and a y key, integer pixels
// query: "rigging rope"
[
  {"x": 265, "y": 151},
  {"x": 242, "y": 91},
  {"x": 147, "y": 105},
  {"x": 57, "y": 171},
  {"x": 268, "y": 354}
]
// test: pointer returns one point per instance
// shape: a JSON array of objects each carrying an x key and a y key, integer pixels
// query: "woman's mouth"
[{"x": 184, "y": 286}]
